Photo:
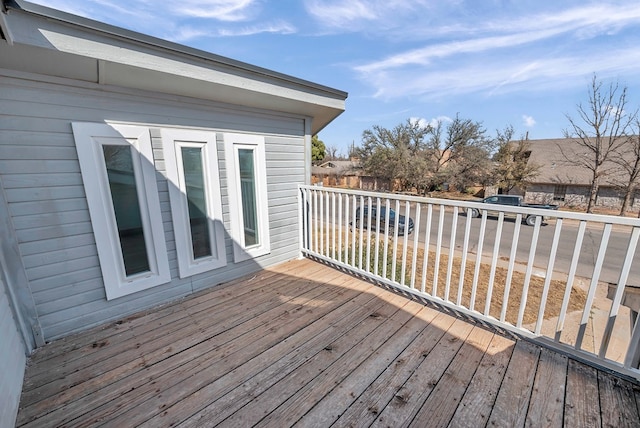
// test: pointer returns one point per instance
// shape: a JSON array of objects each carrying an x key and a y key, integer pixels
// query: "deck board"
[
  {"x": 442, "y": 403},
  {"x": 477, "y": 403},
  {"x": 582, "y": 403},
  {"x": 304, "y": 344},
  {"x": 546, "y": 405},
  {"x": 510, "y": 408}
]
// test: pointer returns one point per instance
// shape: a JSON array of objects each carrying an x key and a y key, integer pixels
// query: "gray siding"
[
  {"x": 12, "y": 355},
  {"x": 45, "y": 193}
]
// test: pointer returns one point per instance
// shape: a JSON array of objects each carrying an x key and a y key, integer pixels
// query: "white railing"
[{"x": 560, "y": 282}]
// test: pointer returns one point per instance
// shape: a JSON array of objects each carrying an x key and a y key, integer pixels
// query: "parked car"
[
  {"x": 514, "y": 201},
  {"x": 362, "y": 218}
]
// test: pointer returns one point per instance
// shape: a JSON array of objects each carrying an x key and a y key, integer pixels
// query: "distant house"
[
  {"x": 133, "y": 172},
  {"x": 563, "y": 183},
  {"x": 337, "y": 173},
  {"x": 347, "y": 174}
]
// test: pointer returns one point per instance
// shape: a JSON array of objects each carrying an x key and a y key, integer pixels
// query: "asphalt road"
[{"x": 616, "y": 248}]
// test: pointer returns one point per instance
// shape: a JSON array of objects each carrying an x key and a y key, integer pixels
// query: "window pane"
[
  {"x": 196, "y": 201},
  {"x": 248, "y": 190},
  {"x": 124, "y": 196}
]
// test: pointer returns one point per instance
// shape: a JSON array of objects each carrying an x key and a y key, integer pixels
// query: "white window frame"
[
  {"x": 89, "y": 138},
  {"x": 233, "y": 143},
  {"x": 173, "y": 140}
]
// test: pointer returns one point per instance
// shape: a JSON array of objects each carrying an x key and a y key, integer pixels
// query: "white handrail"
[{"x": 370, "y": 233}]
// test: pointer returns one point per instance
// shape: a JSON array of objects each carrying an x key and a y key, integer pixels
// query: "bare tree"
[
  {"x": 600, "y": 131},
  {"x": 458, "y": 154},
  {"x": 331, "y": 153},
  {"x": 629, "y": 162},
  {"x": 513, "y": 167}
]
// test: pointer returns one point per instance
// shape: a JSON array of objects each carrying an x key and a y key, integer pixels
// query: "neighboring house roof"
[
  {"x": 337, "y": 167},
  {"x": 64, "y": 45},
  {"x": 552, "y": 154}
]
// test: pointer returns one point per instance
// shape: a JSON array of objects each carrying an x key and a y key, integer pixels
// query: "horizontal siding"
[
  {"x": 39, "y": 166},
  {"x": 19, "y": 209},
  {"x": 20, "y": 181},
  {"x": 21, "y": 94},
  {"x": 12, "y": 355},
  {"x": 50, "y": 296},
  {"x": 45, "y": 192},
  {"x": 59, "y": 256},
  {"x": 44, "y": 246}
]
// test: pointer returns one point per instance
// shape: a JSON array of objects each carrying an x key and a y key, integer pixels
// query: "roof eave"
[{"x": 124, "y": 53}]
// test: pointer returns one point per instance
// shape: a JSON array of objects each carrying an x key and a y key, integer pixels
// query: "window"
[
  {"x": 194, "y": 190},
  {"x": 116, "y": 162},
  {"x": 559, "y": 192},
  {"x": 247, "y": 182}
]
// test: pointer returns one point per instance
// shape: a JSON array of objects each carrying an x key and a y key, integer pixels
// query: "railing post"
[
  {"x": 301, "y": 222},
  {"x": 632, "y": 359}
]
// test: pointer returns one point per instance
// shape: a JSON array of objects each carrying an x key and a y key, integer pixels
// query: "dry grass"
[{"x": 534, "y": 295}]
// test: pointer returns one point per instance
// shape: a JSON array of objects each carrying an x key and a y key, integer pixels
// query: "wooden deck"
[{"x": 307, "y": 345}]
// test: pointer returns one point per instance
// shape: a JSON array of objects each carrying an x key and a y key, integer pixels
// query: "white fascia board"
[{"x": 131, "y": 63}]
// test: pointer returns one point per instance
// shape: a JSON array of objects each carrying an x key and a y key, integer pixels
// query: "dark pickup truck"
[{"x": 514, "y": 201}]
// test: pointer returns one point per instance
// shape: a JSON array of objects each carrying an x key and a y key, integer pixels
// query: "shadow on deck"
[{"x": 305, "y": 344}]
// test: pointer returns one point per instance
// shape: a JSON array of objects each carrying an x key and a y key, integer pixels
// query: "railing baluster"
[
  {"x": 622, "y": 282},
  {"x": 360, "y": 232},
  {"x": 321, "y": 220},
  {"x": 340, "y": 229},
  {"x": 369, "y": 207},
  {"x": 494, "y": 261},
  {"x": 476, "y": 270},
  {"x": 377, "y": 254},
  {"x": 463, "y": 259},
  {"x": 348, "y": 229},
  {"x": 427, "y": 239},
  {"x": 394, "y": 256},
  {"x": 436, "y": 268},
  {"x": 452, "y": 248},
  {"x": 354, "y": 231},
  {"x": 572, "y": 274},
  {"x": 416, "y": 232},
  {"x": 334, "y": 229},
  {"x": 512, "y": 261},
  {"x": 549, "y": 275},
  {"x": 594, "y": 285},
  {"x": 314, "y": 229},
  {"x": 529, "y": 270},
  {"x": 386, "y": 238},
  {"x": 327, "y": 225},
  {"x": 405, "y": 242}
]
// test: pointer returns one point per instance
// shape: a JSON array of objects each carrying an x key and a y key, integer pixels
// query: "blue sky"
[{"x": 526, "y": 63}]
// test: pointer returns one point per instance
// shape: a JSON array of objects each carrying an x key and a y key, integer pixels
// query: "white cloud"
[
  {"x": 420, "y": 121},
  {"x": 426, "y": 55},
  {"x": 340, "y": 13},
  {"x": 357, "y": 15},
  {"x": 505, "y": 75},
  {"x": 433, "y": 122},
  {"x": 276, "y": 27},
  {"x": 222, "y": 10},
  {"x": 440, "y": 119},
  {"x": 539, "y": 52},
  {"x": 528, "y": 121},
  {"x": 187, "y": 33},
  {"x": 593, "y": 20}
]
